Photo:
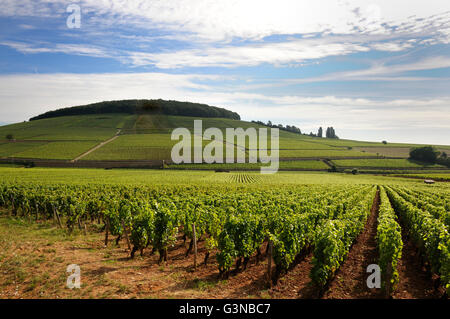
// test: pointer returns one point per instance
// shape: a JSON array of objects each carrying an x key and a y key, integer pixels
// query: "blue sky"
[{"x": 374, "y": 70}]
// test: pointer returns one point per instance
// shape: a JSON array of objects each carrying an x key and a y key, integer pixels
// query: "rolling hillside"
[{"x": 146, "y": 136}]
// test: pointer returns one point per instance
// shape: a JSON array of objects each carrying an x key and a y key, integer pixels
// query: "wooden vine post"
[
  {"x": 106, "y": 231},
  {"x": 55, "y": 221},
  {"x": 55, "y": 212},
  {"x": 126, "y": 235},
  {"x": 388, "y": 286},
  {"x": 195, "y": 246},
  {"x": 269, "y": 262},
  {"x": 13, "y": 211}
]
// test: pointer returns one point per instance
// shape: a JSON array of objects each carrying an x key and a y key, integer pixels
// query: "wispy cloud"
[
  {"x": 236, "y": 32},
  {"x": 381, "y": 72},
  {"x": 295, "y": 51},
  {"x": 279, "y": 53},
  {"x": 216, "y": 20},
  {"x": 72, "y": 49}
]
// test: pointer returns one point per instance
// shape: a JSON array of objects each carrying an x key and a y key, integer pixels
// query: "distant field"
[
  {"x": 145, "y": 140},
  {"x": 387, "y": 151},
  {"x": 57, "y": 150},
  {"x": 322, "y": 153},
  {"x": 141, "y": 147},
  {"x": 124, "y": 153},
  {"x": 237, "y": 166},
  {"x": 381, "y": 163},
  {"x": 147, "y": 137},
  {"x": 345, "y": 143},
  {"x": 290, "y": 143},
  {"x": 351, "y": 143},
  {"x": 83, "y": 127},
  {"x": 148, "y": 124},
  {"x": 10, "y": 149},
  {"x": 303, "y": 165},
  {"x": 391, "y": 151},
  {"x": 164, "y": 177},
  {"x": 135, "y": 147},
  {"x": 428, "y": 175}
]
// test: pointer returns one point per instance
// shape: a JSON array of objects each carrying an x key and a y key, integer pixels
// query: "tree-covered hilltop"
[{"x": 144, "y": 107}]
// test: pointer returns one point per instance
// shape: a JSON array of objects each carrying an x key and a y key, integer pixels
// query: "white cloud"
[
  {"x": 379, "y": 72},
  {"x": 51, "y": 91},
  {"x": 277, "y": 53},
  {"x": 208, "y": 27},
  {"x": 295, "y": 51},
  {"x": 75, "y": 49},
  {"x": 391, "y": 46},
  {"x": 253, "y": 19}
]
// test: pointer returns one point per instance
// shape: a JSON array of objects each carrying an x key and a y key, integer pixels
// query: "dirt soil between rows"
[{"x": 350, "y": 279}]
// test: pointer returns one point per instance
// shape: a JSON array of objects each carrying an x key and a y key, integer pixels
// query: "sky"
[{"x": 374, "y": 70}]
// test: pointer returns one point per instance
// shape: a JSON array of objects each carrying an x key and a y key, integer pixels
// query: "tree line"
[
  {"x": 330, "y": 133},
  {"x": 143, "y": 107}
]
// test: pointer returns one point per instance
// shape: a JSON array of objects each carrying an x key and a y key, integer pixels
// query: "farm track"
[
  {"x": 97, "y": 147},
  {"x": 350, "y": 279}
]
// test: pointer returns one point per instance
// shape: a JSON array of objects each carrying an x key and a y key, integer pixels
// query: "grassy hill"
[{"x": 141, "y": 137}]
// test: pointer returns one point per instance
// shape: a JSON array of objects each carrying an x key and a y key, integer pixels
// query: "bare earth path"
[
  {"x": 97, "y": 147},
  {"x": 414, "y": 282},
  {"x": 350, "y": 280}
]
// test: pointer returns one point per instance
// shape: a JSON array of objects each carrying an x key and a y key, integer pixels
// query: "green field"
[
  {"x": 10, "y": 149},
  {"x": 352, "y": 143},
  {"x": 388, "y": 163},
  {"x": 57, "y": 150},
  {"x": 83, "y": 127},
  {"x": 391, "y": 151},
  {"x": 437, "y": 176},
  {"x": 185, "y": 177},
  {"x": 285, "y": 165},
  {"x": 322, "y": 153},
  {"x": 142, "y": 147},
  {"x": 148, "y": 137}
]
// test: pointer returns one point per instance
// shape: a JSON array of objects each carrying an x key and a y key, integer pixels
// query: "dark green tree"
[
  {"x": 424, "y": 154},
  {"x": 330, "y": 133}
]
